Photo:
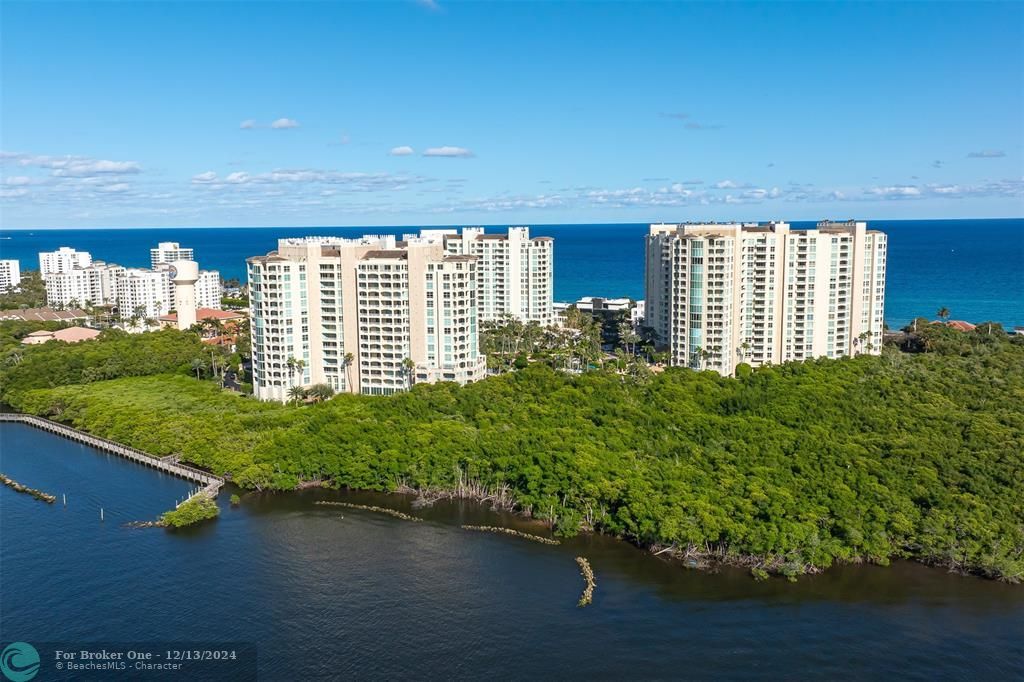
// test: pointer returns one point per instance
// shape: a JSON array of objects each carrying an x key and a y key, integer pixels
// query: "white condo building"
[
  {"x": 168, "y": 252},
  {"x": 144, "y": 292},
  {"x": 357, "y": 311},
  {"x": 720, "y": 294},
  {"x": 515, "y": 272},
  {"x": 63, "y": 259},
  {"x": 94, "y": 284},
  {"x": 10, "y": 274},
  {"x": 208, "y": 289}
]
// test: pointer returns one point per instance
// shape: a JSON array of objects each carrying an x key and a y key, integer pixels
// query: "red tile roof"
[{"x": 207, "y": 314}]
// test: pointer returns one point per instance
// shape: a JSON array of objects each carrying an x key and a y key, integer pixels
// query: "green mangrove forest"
[{"x": 916, "y": 453}]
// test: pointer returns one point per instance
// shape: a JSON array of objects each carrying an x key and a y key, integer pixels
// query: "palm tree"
[
  {"x": 198, "y": 366},
  {"x": 407, "y": 368},
  {"x": 320, "y": 392},
  {"x": 943, "y": 313},
  {"x": 296, "y": 393},
  {"x": 348, "y": 362},
  {"x": 295, "y": 366}
]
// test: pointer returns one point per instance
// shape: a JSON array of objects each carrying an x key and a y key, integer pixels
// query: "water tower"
[{"x": 184, "y": 275}]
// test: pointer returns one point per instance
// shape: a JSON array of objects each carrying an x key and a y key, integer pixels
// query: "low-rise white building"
[{"x": 10, "y": 274}]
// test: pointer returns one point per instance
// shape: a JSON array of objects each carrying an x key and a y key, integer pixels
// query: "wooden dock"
[{"x": 210, "y": 483}]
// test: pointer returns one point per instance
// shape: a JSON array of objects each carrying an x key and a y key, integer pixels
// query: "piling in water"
[
  {"x": 17, "y": 487},
  {"x": 365, "y": 507},
  {"x": 588, "y": 575},
  {"x": 516, "y": 533}
]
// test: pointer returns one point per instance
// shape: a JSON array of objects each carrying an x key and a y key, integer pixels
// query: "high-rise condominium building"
[
  {"x": 10, "y": 274},
  {"x": 63, "y": 259},
  {"x": 514, "y": 272},
  {"x": 721, "y": 294},
  {"x": 208, "y": 289},
  {"x": 144, "y": 293},
  {"x": 94, "y": 284},
  {"x": 372, "y": 315},
  {"x": 168, "y": 252}
]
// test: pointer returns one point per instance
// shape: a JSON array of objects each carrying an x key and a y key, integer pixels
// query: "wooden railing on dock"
[{"x": 210, "y": 482}]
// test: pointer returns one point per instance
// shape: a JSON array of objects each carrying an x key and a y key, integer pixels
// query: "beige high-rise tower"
[
  {"x": 718, "y": 294},
  {"x": 372, "y": 315}
]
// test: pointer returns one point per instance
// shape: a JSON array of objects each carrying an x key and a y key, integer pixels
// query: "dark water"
[
  {"x": 328, "y": 592},
  {"x": 973, "y": 267}
]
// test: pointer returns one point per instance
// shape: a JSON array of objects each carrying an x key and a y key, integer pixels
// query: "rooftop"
[
  {"x": 207, "y": 314},
  {"x": 43, "y": 315}
]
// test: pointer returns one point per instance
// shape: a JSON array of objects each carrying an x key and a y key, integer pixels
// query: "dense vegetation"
[
  {"x": 116, "y": 354},
  {"x": 904, "y": 455},
  {"x": 31, "y": 293},
  {"x": 199, "y": 508}
]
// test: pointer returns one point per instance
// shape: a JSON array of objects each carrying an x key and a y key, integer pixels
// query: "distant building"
[
  {"x": 720, "y": 294},
  {"x": 205, "y": 313},
  {"x": 10, "y": 275},
  {"x": 63, "y": 259},
  {"x": 604, "y": 307},
  {"x": 168, "y": 252},
  {"x": 144, "y": 292},
  {"x": 960, "y": 325},
  {"x": 67, "y": 335},
  {"x": 372, "y": 315},
  {"x": 514, "y": 272},
  {"x": 94, "y": 284},
  {"x": 208, "y": 289},
  {"x": 43, "y": 315}
]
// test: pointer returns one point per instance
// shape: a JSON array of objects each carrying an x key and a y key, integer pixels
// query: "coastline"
[{"x": 502, "y": 500}]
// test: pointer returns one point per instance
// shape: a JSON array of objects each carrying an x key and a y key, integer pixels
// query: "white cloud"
[
  {"x": 247, "y": 124},
  {"x": 237, "y": 178},
  {"x": 429, "y": 4},
  {"x": 13, "y": 193},
  {"x": 450, "y": 152},
  {"x": 987, "y": 154},
  {"x": 404, "y": 150},
  {"x": 75, "y": 166},
  {"x": 201, "y": 178},
  {"x": 895, "y": 192},
  {"x": 116, "y": 188},
  {"x": 18, "y": 180},
  {"x": 284, "y": 123}
]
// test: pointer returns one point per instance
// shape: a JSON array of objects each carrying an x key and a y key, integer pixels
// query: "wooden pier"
[{"x": 210, "y": 483}]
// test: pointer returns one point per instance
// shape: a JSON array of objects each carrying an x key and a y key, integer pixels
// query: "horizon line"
[{"x": 472, "y": 224}]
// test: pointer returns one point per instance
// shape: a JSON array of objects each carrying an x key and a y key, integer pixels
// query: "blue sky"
[{"x": 326, "y": 113}]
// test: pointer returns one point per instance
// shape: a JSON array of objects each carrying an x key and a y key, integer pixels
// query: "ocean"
[{"x": 975, "y": 268}]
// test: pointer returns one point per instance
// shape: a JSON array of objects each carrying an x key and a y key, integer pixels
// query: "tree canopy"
[{"x": 872, "y": 458}]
